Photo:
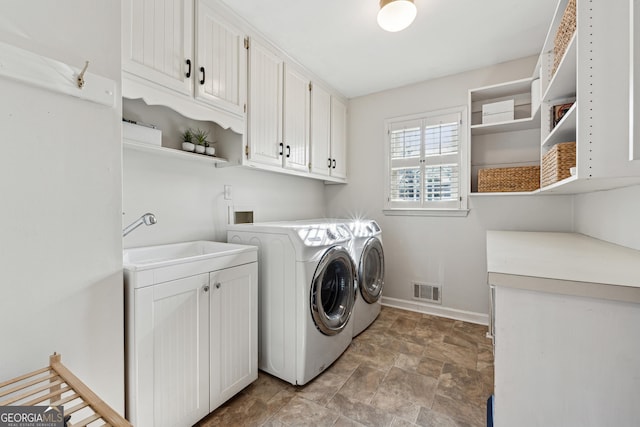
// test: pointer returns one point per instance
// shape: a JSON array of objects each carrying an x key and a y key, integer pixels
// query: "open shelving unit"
[
  {"x": 172, "y": 153},
  {"x": 508, "y": 143}
]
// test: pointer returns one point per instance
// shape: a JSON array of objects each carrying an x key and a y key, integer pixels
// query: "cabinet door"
[
  {"x": 172, "y": 352},
  {"x": 234, "y": 331},
  {"x": 338, "y": 138},
  {"x": 296, "y": 119},
  {"x": 220, "y": 61},
  {"x": 320, "y": 130},
  {"x": 157, "y": 40},
  {"x": 265, "y": 105}
]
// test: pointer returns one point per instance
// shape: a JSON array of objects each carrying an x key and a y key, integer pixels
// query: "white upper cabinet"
[
  {"x": 146, "y": 26},
  {"x": 328, "y": 134},
  {"x": 221, "y": 61},
  {"x": 338, "y": 138},
  {"x": 296, "y": 119},
  {"x": 266, "y": 71},
  {"x": 187, "y": 56},
  {"x": 320, "y": 130},
  {"x": 278, "y": 108}
]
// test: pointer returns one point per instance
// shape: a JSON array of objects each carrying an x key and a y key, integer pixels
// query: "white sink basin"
[{"x": 164, "y": 255}]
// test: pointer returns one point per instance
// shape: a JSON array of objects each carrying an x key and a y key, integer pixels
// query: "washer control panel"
[{"x": 324, "y": 234}]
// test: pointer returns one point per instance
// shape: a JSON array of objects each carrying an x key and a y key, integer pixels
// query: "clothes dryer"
[
  {"x": 306, "y": 294},
  {"x": 368, "y": 255}
]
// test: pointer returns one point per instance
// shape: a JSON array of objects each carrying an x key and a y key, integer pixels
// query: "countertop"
[{"x": 565, "y": 263}]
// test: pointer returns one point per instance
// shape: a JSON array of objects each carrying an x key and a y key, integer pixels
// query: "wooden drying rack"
[{"x": 55, "y": 385}]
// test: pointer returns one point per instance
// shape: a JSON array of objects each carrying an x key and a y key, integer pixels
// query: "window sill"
[{"x": 427, "y": 212}]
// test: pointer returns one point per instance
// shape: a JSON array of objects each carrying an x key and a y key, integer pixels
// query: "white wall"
[
  {"x": 60, "y": 181},
  {"x": 610, "y": 215},
  {"x": 449, "y": 251},
  {"x": 187, "y": 197}
]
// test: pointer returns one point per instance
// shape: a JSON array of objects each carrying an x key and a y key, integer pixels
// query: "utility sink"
[{"x": 150, "y": 257}]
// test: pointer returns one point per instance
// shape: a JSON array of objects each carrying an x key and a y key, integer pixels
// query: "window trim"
[{"x": 396, "y": 208}]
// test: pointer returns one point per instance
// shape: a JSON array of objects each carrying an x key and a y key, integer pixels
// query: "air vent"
[{"x": 427, "y": 292}]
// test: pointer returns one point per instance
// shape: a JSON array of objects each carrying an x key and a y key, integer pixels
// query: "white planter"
[
  {"x": 200, "y": 149},
  {"x": 188, "y": 146},
  {"x": 210, "y": 151}
]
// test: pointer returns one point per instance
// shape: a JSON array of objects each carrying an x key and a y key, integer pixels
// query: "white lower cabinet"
[
  {"x": 232, "y": 331},
  {"x": 192, "y": 345}
]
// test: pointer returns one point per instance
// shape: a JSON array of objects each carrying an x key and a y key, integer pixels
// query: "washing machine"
[
  {"x": 368, "y": 255},
  {"x": 306, "y": 295}
]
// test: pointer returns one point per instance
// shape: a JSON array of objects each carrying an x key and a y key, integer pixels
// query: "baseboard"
[{"x": 451, "y": 313}]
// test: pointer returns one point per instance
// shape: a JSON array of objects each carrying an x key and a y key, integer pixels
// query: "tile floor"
[{"x": 406, "y": 369}]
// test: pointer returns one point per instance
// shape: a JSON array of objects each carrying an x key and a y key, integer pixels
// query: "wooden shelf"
[{"x": 170, "y": 152}]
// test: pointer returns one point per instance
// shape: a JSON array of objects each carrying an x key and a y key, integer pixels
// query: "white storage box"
[
  {"x": 143, "y": 134},
  {"x": 497, "y": 112}
]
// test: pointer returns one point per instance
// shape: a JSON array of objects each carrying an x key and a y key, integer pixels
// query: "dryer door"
[
  {"x": 333, "y": 291},
  {"x": 371, "y": 270}
]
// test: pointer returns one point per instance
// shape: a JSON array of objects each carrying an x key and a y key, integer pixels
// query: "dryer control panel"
[{"x": 324, "y": 234}]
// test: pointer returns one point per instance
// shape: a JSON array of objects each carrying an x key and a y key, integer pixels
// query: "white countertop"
[{"x": 568, "y": 263}]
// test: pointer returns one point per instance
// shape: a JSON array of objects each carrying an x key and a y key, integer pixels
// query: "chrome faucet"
[{"x": 146, "y": 219}]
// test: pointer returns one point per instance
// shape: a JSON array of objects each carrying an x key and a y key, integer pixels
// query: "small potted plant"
[
  {"x": 209, "y": 150},
  {"x": 187, "y": 140},
  {"x": 200, "y": 139}
]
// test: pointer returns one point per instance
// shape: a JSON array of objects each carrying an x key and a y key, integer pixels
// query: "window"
[{"x": 427, "y": 162}]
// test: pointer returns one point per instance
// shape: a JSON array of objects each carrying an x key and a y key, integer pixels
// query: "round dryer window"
[
  {"x": 333, "y": 291},
  {"x": 371, "y": 270}
]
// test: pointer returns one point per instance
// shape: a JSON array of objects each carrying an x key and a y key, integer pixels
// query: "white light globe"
[{"x": 396, "y": 15}]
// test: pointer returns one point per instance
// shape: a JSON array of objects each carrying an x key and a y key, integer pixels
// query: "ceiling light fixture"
[{"x": 396, "y": 15}]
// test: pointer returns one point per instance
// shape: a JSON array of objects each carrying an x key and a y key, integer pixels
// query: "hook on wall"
[{"x": 80, "y": 78}]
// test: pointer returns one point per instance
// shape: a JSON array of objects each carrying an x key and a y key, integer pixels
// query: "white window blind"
[{"x": 425, "y": 161}]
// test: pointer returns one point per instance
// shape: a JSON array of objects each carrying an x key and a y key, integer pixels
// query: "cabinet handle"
[
  {"x": 218, "y": 285},
  {"x": 334, "y": 163},
  {"x": 202, "y": 71},
  {"x": 189, "y": 69},
  {"x": 206, "y": 288},
  {"x": 329, "y": 164},
  {"x": 288, "y": 151},
  {"x": 281, "y": 149}
]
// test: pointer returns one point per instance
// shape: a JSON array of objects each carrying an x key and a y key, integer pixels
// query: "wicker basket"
[
  {"x": 523, "y": 178},
  {"x": 557, "y": 162},
  {"x": 566, "y": 29}
]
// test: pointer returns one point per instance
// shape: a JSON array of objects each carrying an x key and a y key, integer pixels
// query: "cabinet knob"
[
  {"x": 218, "y": 285},
  {"x": 334, "y": 163},
  {"x": 205, "y": 288},
  {"x": 288, "y": 151},
  {"x": 188, "y": 75},
  {"x": 281, "y": 148},
  {"x": 202, "y": 71}
]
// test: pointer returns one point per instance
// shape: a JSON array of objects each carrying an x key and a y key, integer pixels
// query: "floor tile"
[
  {"x": 359, "y": 411},
  {"x": 462, "y": 412},
  {"x": 406, "y": 369},
  {"x": 363, "y": 383},
  {"x": 302, "y": 412},
  {"x": 322, "y": 388},
  {"x": 415, "y": 388},
  {"x": 462, "y": 356},
  {"x": 388, "y": 402},
  {"x": 461, "y": 384}
]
